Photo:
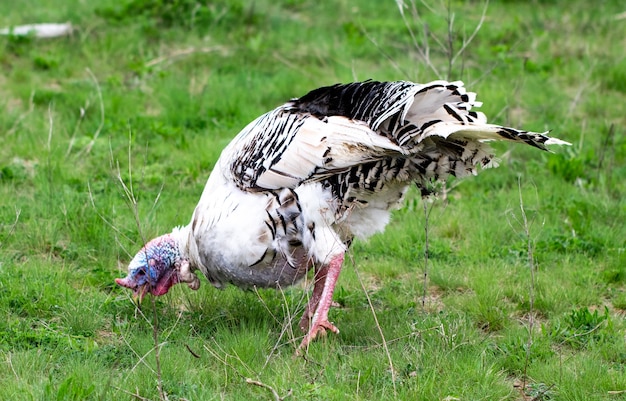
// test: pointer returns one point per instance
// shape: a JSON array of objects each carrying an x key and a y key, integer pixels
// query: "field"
[{"x": 108, "y": 137}]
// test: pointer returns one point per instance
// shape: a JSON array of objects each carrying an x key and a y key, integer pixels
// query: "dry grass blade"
[
  {"x": 131, "y": 201},
  {"x": 50, "y": 128},
  {"x": 22, "y": 117},
  {"x": 286, "y": 324},
  {"x": 427, "y": 211},
  {"x": 223, "y": 357},
  {"x": 135, "y": 395},
  {"x": 13, "y": 225},
  {"x": 96, "y": 134},
  {"x": 10, "y": 363},
  {"x": 102, "y": 217},
  {"x": 525, "y": 224},
  {"x": 380, "y": 330},
  {"x": 389, "y": 58},
  {"x": 531, "y": 268},
  {"x": 270, "y": 388},
  {"x": 141, "y": 358},
  {"x": 180, "y": 53}
]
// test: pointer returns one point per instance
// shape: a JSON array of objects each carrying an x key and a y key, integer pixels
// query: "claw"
[
  {"x": 317, "y": 329},
  {"x": 315, "y": 318}
]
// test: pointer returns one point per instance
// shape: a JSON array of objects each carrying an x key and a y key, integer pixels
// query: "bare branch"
[
  {"x": 270, "y": 388},
  {"x": 423, "y": 48},
  {"x": 473, "y": 35}
]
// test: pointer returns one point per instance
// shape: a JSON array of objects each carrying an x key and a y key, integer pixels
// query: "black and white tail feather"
[{"x": 362, "y": 135}]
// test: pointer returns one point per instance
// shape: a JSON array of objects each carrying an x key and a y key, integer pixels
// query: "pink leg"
[{"x": 317, "y": 310}]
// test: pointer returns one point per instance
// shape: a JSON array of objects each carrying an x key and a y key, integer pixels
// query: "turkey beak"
[{"x": 138, "y": 291}]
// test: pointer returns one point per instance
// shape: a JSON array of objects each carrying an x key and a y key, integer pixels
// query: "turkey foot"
[
  {"x": 315, "y": 318},
  {"x": 185, "y": 275}
]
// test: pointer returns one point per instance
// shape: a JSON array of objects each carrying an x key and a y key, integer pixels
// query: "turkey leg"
[{"x": 315, "y": 318}]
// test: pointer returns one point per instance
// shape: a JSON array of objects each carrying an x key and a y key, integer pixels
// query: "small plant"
[
  {"x": 582, "y": 328},
  {"x": 517, "y": 353},
  {"x": 619, "y": 301},
  {"x": 539, "y": 392}
]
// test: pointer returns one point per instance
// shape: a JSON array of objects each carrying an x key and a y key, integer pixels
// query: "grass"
[{"x": 151, "y": 91}]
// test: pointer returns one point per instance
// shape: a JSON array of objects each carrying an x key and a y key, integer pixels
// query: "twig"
[
  {"x": 192, "y": 352},
  {"x": 581, "y": 89},
  {"x": 450, "y": 37},
  {"x": 286, "y": 324},
  {"x": 358, "y": 382},
  {"x": 167, "y": 335},
  {"x": 446, "y": 45},
  {"x": 472, "y": 36},
  {"x": 607, "y": 143},
  {"x": 423, "y": 49},
  {"x": 136, "y": 395},
  {"x": 221, "y": 359},
  {"x": 270, "y": 388}
]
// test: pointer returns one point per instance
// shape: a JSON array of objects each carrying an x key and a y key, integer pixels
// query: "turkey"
[{"x": 293, "y": 189}]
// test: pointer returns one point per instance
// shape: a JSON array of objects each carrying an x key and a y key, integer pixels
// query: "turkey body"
[
  {"x": 294, "y": 188},
  {"x": 297, "y": 184}
]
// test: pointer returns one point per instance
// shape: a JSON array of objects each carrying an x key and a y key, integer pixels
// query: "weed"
[
  {"x": 540, "y": 392},
  {"x": 582, "y": 328}
]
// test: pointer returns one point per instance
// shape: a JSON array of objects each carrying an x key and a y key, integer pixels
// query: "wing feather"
[
  {"x": 310, "y": 149},
  {"x": 334, "y": 129}
]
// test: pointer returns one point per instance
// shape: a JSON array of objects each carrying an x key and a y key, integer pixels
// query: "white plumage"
[{"x": 293, "y": 189}]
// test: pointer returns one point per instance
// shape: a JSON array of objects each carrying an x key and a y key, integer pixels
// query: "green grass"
[{"x": 152, "y": 90}]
